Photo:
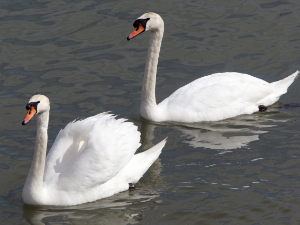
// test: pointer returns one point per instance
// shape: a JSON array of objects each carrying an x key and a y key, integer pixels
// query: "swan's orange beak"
[
  {"x": 136, "y": 31},
  {"x": 30, "y": 113}
]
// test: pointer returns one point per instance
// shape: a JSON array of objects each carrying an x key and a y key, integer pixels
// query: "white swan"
[
  {"x": 210, "y": 98},
  {"x": 89, "y": 160}
]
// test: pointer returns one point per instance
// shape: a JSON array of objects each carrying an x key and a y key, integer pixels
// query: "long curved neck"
[
  {"x": 148, "y": 91},
  {"x": 34, "y": 181}
]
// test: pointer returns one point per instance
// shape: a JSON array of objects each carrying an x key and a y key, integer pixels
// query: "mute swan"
[
  {"x": 210, "y": 98},
  {"x": 89, "y": 160}
]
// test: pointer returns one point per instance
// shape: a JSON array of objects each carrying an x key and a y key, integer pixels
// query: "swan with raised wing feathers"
[
  {"x": 210, "y": 98},
  {"x": 89, "y": 160}
]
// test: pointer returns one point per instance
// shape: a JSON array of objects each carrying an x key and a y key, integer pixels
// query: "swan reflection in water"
[
  {"x": 225, "y": 135},
  {"x": 228, "y": 134},
  {"x": 110, "y": 210}
]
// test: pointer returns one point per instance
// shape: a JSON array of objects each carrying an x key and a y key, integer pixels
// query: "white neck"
[
  {"x": 34, "y": 182},
  {"x": 148, "y": 100}
]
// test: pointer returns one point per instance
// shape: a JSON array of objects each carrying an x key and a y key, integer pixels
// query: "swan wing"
[
  {"x": 216, "y": 97},
  {"x": 106, "y": 146},
  {"x": 68, "y": 144}
]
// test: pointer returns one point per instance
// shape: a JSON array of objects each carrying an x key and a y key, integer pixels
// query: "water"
[{"x": 243, "y": 170}]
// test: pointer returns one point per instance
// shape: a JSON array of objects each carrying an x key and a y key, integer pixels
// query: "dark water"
[{"x": 243, "y": 170}]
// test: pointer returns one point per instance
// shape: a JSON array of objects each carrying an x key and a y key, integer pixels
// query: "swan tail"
[
  {"x": 141, "y": 162},
  {"x": 281, "y": 86}
]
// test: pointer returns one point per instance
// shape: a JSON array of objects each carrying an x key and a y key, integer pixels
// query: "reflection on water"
[
  {"x": 223, "y": 135},
  {"x": 104, "y": 211},
  {"x": 229, "y": 134},
  {"x": 154, "y": 172}
]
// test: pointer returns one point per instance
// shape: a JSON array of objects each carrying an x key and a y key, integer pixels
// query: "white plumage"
[
  {"x": 89, "y": 160},
  {"x": 220, "y": 96},
  {"x": 210, "y": 98}
]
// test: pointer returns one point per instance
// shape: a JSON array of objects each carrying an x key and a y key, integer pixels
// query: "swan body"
[
  {"x": 210, "y": 98},
  {"x": 89, "y": 160}
]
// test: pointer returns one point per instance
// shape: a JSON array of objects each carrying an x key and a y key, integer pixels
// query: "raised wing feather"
[
  {"x": 108, "y": 146},
  {"x": 68, "y": 144}
]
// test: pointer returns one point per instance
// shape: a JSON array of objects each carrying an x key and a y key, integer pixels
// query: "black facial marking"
[
  {"x": 140, "y": 21},
  {"x": 30, "y": 104}
]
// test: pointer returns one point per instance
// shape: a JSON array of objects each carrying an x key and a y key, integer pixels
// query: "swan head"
[
  {"x": 148, "y": 21},
  {"x": 37, "y": 104}
]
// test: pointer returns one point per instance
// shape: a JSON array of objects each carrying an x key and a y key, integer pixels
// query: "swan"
[
  {"x": 210, "y": 98},
  {"x": 90, "y": 159}
]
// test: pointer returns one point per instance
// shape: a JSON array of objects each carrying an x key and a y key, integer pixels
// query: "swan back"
[{"x": 215, "y": 97}]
